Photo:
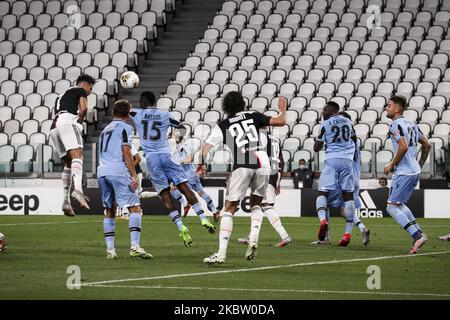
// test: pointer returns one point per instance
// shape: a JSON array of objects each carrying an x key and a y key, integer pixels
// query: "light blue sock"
[
  {"x": 176, "y": 194},
  {"x": 349, "y": 215},
  {"x": 209, "y": 202},
  {"x": 358, "y": 222},
  {"x": 321, "y": 206},
  {"x": 109, "y": 225},
  {"x": 199, "y": 210},
  {"x": 175, "y": 216},
  {"x": 402, "y": 220},
  {"x": 410, "y": 215},
  {"x": 134, "y": 224}
]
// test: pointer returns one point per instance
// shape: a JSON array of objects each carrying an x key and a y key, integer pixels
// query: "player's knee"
[
  {"x": 348, "y": 196},
  {"x": 135, "y": 209},
  {"x": 267, "y": 206},
  {"x": 321, "y": 202},
  {"x": 110, "y": 213}
]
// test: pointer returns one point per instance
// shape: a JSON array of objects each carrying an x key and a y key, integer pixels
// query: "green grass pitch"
[{"x": 40, "y": 248}]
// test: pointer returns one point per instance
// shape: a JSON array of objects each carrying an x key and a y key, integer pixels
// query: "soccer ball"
[
  {"x": 2, "y": 242},
  {"x": 129, "y": 80}
]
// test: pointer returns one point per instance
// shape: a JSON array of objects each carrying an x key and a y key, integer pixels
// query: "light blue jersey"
[
  {"x": 337, "y": 133},
  {"x": 182, "y": 151},
  {"x": 112, "y": 138},
  {"x": 152, "y": 125},
  {"x": 402, "y": 128}
]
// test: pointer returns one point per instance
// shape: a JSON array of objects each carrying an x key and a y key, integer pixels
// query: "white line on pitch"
[
  {"x": 280, "y": 290},
  {"x": 315, "y": 263},
  {"x": 236, "y": 222},
  {"x": 44, "y": 223}
]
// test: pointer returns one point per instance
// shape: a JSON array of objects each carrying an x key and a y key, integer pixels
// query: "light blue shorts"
[
  {"x": 163, "y": 169},
  {"x": 195, "y": 184},
  {"x": 402, "y": 187},
  {"x": 337, "y": 174},
  {"x": 117, "y": 189}
]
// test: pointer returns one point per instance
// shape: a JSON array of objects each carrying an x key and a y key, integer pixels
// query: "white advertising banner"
[
  {"x": 287, "y": 204},
  {"x": 437, "y": 203},
  {"x": 31, "y": 201}
]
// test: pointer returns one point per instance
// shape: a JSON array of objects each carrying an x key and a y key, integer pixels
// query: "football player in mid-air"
[
  {"x": 251, "y": 166},
  {"x": 70, "y": 110},
  {"x": 337, "y": 133},
  {"x": 184, "y": 155},
  {"x": 117, "y": 180},
  {"x": 404, "y": 136},
  {"x": 152, "y": 125},
  {"x": 335, "y": 199},
  {"x": 273, "y": 189}
]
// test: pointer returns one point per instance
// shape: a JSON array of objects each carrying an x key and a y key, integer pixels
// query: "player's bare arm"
[
  {"x": 83, "y": 109},
  {"x": 128, "y": 158},
  {"x": 402, "y": 148},
  {"x": 426, "y": 147},
  {"x": 280, "y": 120}
]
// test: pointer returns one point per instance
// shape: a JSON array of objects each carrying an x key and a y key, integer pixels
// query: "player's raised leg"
[
  {"x": 67, "y": 184},
  {"x": 192, "y": 199},
  {"x": 402, "y": 187},
  {"x": 174, "y": 215}
]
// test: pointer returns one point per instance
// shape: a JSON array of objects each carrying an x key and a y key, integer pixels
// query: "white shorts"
[
  {"x": 66, "y": 137},
  {"x": 243, "y": 178},
  {"x": 270, "y": 194}
]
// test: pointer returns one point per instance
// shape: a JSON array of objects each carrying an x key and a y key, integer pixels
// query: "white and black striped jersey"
[
  {"x": 69, "y": 100},
  {"x": 275, "y": 157},
  {"x": 241, "y": 133}
]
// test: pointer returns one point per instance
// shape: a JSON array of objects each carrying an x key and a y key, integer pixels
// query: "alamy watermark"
[
  {"x": 74, "y": 279},
  {"x": 374, "y": 279},
  {"x": 74, "y": 19},
  {"x": 374, "y": 20}
]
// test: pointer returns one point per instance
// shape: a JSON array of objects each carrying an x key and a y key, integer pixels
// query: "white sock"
[
  {"x": 139, "y": 188},
  {"x": 275, "y": 221},
  {"x": 226, "y": 228},
  {"x": 67, "y": 182},
  {"x": 358, "y": 222},
  {"x": 77, "y": 173},
  {"x": 256, "y": 222}
]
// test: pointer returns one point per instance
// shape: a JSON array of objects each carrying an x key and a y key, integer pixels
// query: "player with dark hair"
[
  {"x": 117, "y": 180},
  {"x": 336, "y": 200},
  {"x": 251, "y": 168},
  {"x": 152, "y": 125},
  {"x": 404, "y": 136},
  {"x": 70, "y": 110},
  {"x": 337, "y": 133}
]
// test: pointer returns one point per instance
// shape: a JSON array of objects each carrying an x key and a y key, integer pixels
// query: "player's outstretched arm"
[
  {"x": 203, "y": 154},
  {"x": 83, "y": 102},
  {"x": 280, "y": 120},
  {"x": 426, "y": 147},
  {"x": 402, "y": 148}
]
